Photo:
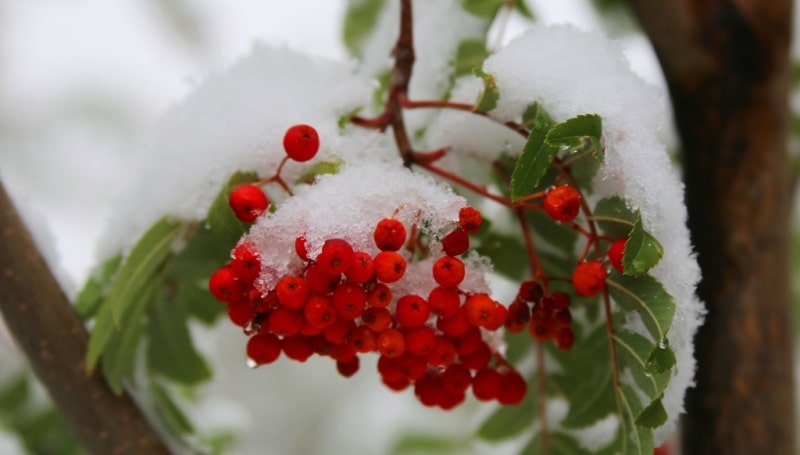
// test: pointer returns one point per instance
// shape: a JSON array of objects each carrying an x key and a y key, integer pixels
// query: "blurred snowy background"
[{"x": 80, "y": 84}]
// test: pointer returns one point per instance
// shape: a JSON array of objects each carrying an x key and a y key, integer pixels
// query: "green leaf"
[
  {"x": 344, "y": 120},
  {"x": 170, "y": 348},
  {"x": 653, "y": 416},
  {"x": 647, "y": 296},
  {"x": 633, "y": 351},
  {"x": 509, "y": 421},
  {"x": 514, "y": 263},
  {"x": 536, "y": 157},
  {"x": 359, "y": 21},
  {"x": 419, "y": 444},
  {"x": 482, "y": 8},
  {"x": 487, "y": 100},
  {"x": 194, "y": 296},
  {"x": 141, "y": 265},
  {"x": 661, "y": 359},
  {"x": 614, "y": 217},
  {"x": 560, "y": 444},
  {"x": 576, "y": 132},
  {"x": 220, "y": 219},
  {"x": 634, "y": 439},
  {"x": 323, "y": 167},
  {"x": 470, "y": 55},
  {"x": 559, "y": 236},
  {"x": 642, "y": 251},
  {"x": 170, "y": 412},
  {"x": 119, "y": 354},
  {"x": 587, "y": 380},
  {"x": 14, "y": 394},
  {"x": 91, "y": 296},
  {"x": 521, "y": 7}
]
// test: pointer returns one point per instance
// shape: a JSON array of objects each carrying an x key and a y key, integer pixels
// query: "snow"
[{"x": 572, "y": 72}]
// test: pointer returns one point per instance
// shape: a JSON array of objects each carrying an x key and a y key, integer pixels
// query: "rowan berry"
[
  {"x": 469, "y": 219},
  {"x": 319, "y": 312},
  {"x": 389, "y": 266},
  {"x": 562, "y": 318},
  {"x": 320, "y": 282},
  {"x": 397, "y": 386},
  {"x": 616, "y": 252},
  {"x": 391, "y": 343},
  {"x": 453, "y": 326},
  {"x": 456, "y": 243},
  {"x": 284, "y": 322},
  {"x": 420, "y": 340},
  {"x": 336, "y": 257},
  {"x": 448, "y": 271},
  {"x": 297, "y": 347},
  {"x": 562, "y": 203},
  {"x": 412, "y": 311},
  {"x": 513, "y": 388},
  {"x": 478, "y": 359},
  {"x": 389, "y": 234},
  {"x": 379, "y": 296},
  {"x": 240, "y": 313},
  {"x": 560, "y": 300},
  {"x": 301, "y": 248},
  {"x": 342, "y": 352},
  {"x": 469, "y": 342},
  {"x": 248, "y": 202},
  {"x": 363, "y": 339},
  {"x": 519, "y": 314},
  {"x": 500, "y": 315},
  {"x": 486, "y": 384},
  {"x": 429, "y": 389},
  {"x": 263, "y": 348},
  {"x": 443, "y": 352},
  {"x": 448, "y": 401},
  {"x": 479, "y": 310},
  {"x": 542, "y": 328},
  {"x": 530, "y": 291},
  {"x": 589, "y": 278},
  {"x": 292, "y": 292},
  {"x": 456, "y": 378},
  {"x": 348, "y": 368},
  {"x": 411, "y": 366},
  {"x": 565, "y": 338},
  {"x": 444, "y": 302},
  {"x": 338, "y": 332},
  {"x": 390, "y": 370},
  {"x": 349, "y": 299},
  {"x": 363, "y": 268},
  {"x": 246, "y": 264},
  {"x": 301, "y": 142},
  {"x": 222, "y": 284},
  {"x": 377, "y": 319}
]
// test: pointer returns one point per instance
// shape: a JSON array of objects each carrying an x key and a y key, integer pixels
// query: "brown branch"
[
  {"x": 54, "y": 340},
  {"x": 404, "y": 57},
  {"x": 727, "y": 66}
]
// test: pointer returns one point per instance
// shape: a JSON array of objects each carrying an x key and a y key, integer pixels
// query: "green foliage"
[
  {"x": 427, "y": 444},
  {"x": 169, "y": 411},
  {"x": 487, "y": 100},
  {"x": 652, "y": 416},
  {"x": 510, "y": 421},
  {"x": 39, "y": 427},
  {"x": 359, "y": 21},
  {"x": 470, "y": 55},
  {"x": 536, "y": 157},
  {"x": 88, "y": 301},
  {"x": 647, "y": 296},
  {"x": 614, "y": 217},
  {"x": 320, "y": 168},
  {"x": 227, "y": 229},
  {"x": 482, "y": 8},
  {"x": 642, "y": 251},
  {"x": 559, "y": 443}
]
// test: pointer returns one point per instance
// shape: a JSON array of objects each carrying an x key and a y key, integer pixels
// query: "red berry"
[
  {"x": 478, "y": 359},
  {"x": 456, "y": 243},
  {"x": 562, "y": 203},
  {"x": 363, "y": 339},
  {"x": 589, "y": 278},
  {"x": 263, "y": 348},
  {"x": 443, "y": 352},
  {"x": 411, "y": 366},
  {"x": 469, "y": 219},
  {"x": 560, "y": 300},
  {"x": 349, "y": 299},
  {"x": 519, "y": 313},
  {"x": 565, "y": 338},
  {"x": 444, "y": 302},
  {"x": 448, "y": 271},
  {"x": 284, "y": 322},
  {"x": 391, "y": 343},
  {"x": 297, "y": 348},
  {"x": 420, "y": 340},
  {"x": 301, "y": 142},
  {"x": 500, "y": 315},
  {"x": 389, "y": 235},
  {"x": 479, "y": 310},
  {"x": 453, "y": 326},
  {"x": 248, "y": 202},
  {"x": 469, "y": 342},
  {"x": 292, "y": 292},
  {"x": 513, "y": 388},
  {"x": 412, "y": 311},
  {"x": 222, "y": 284},
  {"x": 301, "y": 248},
  {"x": 389, "y": 266},
  {"x": 530, "y": 291},
  {"x": 487, "y": 384},
  {"x": 615, "y": 253},
  {"x": 363, "y": 268},
  {"x": 338, "y": 332},
  {"x": 380, "y": 296},
  {"x": 429, "y": 389},
  {"x": 562, "y": 318},
  {"x": 336, "y": 257},
  {"x": 246, "y": 264},
  {"x": 349, "y": 367},
  {"x": 390, "y": 370},
  {"x": 456, "y": 378},
  {"x": 240, "y": 313},
  {"x": 320, "y": 282},
  {"x": 377, "y": 319},
  {"x": 319, "y": 312}
]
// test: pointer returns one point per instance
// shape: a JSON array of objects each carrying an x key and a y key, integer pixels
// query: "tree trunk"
[
  {"x": 727, "y": 67},
  {"x": 54, "y": 340}
]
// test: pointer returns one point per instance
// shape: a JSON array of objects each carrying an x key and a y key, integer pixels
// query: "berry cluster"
[
  {"x": 342, "y": 304},
  {"x": 546, "y": 317}
]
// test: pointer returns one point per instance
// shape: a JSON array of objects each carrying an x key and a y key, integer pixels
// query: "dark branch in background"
[
  {"x": 727, "y": 67},
  {"x": 54, "y": 340}
]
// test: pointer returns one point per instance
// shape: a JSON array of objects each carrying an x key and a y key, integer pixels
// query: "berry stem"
[
  {"x": 465, "y": 183},
  {"x": 536, "y": 266},
  {"x": 409, "y": 104},
  {"x": 611, "y": 343}
]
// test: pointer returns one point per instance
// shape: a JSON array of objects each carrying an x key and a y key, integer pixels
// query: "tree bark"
[
  {"x": 727, "y": 66},
  {"x": 54, "y": 341}
]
